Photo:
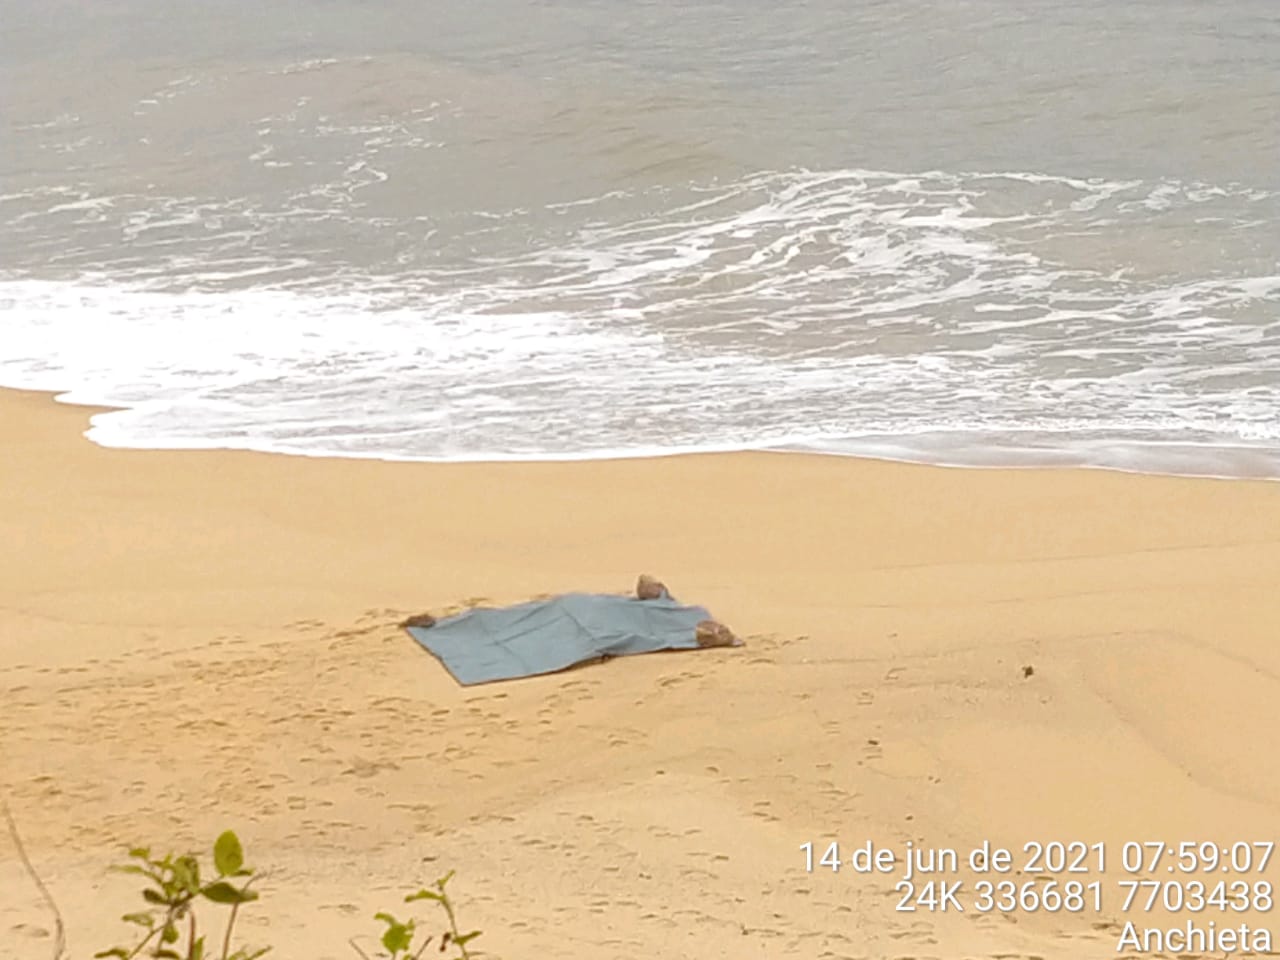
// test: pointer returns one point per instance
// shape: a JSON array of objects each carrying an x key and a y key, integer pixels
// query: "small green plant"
[
  {"x": 398, "y": 937},
  {"x": 174, "y": 887}
]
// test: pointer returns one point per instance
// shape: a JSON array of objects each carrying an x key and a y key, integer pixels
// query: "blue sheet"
[{"x": 543, "y": 636}]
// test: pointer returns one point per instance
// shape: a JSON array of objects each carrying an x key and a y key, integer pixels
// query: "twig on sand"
[{"x": 60, "y": 934}]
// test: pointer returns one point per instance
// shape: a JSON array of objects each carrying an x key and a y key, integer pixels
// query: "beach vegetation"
[
  {"x": 173, "y": 887},
  {"x": 403, "y": 940}
]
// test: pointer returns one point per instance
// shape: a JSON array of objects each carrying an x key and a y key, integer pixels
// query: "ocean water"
[{"x": 962, "y": 231}]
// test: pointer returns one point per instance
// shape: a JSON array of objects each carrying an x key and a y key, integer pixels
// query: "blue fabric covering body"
[{"x": 482, "y": 645}]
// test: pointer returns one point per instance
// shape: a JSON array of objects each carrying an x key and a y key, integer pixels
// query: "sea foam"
[{"x": 976, "y": 319}]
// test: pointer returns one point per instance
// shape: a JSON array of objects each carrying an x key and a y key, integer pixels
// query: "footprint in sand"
[
  {"x": 348, "y": 909},
  {"x": 368, "y": 768},
  {"x": 30, "y": 930}
]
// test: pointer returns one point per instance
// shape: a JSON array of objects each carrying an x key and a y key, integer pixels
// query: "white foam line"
[
  {"x": 1064, "y": 458},
  {"x": 923, "y": 303}
]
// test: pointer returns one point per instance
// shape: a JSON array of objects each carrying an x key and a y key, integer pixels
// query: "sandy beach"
[{"x": 177, "y": 627}]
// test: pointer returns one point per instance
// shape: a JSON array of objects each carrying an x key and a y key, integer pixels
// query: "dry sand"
[{"x": 198, "y": 640}]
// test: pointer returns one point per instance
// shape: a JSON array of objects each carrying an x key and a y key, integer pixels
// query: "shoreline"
[
  {"x": 648, "y": 806},
  {"x": 1181, "y": 459}
]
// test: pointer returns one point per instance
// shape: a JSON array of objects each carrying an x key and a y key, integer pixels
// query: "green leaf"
[
  {"x": 423, "y": 895},
  {"x": 167, "y": 954},
  {"x": 153, "y": 896},
  {"x": 223, "y": 892},
  {"x": 131, "y": 868},
  {"x": 197, "y": 950},
  {"x": 186, "y": 872},
  {"x": 142, "y": 853},
  {"x": 445, "y": 879},
  {"x": 169, "y": 934},
  {"x": 120, "y": 952},
  {"x": 141, "y": 919},
  {"x": 228, "y": 855},
  {"x": 466, "y": 938},
  {"x": 398, "y": 936}
]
